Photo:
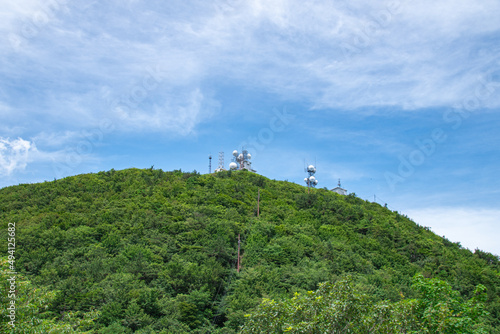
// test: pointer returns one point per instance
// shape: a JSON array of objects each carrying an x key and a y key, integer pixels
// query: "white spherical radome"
[
  {"x": 235, "y": 153},
  {"x": 233, "y": 165},
  {"x": 311, "y": 168},
  {"x": 249, "y": 156}
]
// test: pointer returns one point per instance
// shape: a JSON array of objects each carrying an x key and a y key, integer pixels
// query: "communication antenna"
[
  {"x": 221, "y": 163},
  {"x": 210, "y": 164},
  {"x": 311, "y": 179},
  {"x": 241, "y": 161}
]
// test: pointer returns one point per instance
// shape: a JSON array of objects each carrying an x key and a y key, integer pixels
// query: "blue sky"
[{"x": 399, "y": 99}]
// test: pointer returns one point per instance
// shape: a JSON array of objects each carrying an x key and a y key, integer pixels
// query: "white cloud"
[
  {"x": 23, "y": 20},
  {"x": 473, "y": 228},
  {"x": 413, "y": 56},
  {"x": 15, "y": 155},
  {"x": 12, "y": 12},
  {"x": 422, "y": 54},
  {"x": 176, "y": 113},
  {"x": 57, "y": 140}
]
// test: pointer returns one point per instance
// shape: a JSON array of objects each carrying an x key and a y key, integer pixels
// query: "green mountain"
[{"x": 149, "y": 251}]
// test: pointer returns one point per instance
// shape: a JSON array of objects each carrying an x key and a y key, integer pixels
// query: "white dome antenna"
[
  {"x": 311, "y": 179},
  {"x": 241, "y": 161},
  {"x": 311, "y": 168}
]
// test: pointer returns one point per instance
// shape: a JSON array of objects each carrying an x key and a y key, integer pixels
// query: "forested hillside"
[{"x": 148, "y": 251}]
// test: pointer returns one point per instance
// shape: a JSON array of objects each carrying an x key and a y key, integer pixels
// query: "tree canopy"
[
  {"x": 148, "y": 251},
  {"x": 342, "y": 308}
]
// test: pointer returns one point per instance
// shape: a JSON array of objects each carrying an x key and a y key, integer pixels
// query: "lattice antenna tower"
[
  {"x": 210, "y": 164},
  {"x": 221, "y": 162}
]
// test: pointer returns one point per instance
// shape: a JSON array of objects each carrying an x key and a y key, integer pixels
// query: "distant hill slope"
[{"x": 154, "y": 250}]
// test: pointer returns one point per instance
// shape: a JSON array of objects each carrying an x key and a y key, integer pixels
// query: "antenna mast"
[
  {"x": 210, "y": 164},
  {"x": 241, "y": 161},
  {"x": 310, "y": 180},
  {"x": 221, "y": 162}
]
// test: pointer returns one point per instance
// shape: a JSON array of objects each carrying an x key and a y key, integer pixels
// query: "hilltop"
[{"x": 151, "y": 250}]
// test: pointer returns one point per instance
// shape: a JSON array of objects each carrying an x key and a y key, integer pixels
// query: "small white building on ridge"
[{"x": 339, "y": 190}]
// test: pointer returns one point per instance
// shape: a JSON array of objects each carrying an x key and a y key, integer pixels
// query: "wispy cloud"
[
  {"x": 409, "y": 55},
  {"x": 177, "y": 114}
]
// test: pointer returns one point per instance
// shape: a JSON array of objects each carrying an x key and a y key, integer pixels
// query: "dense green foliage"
[
  {"x": 31, "y": 310},
  {"x": 155, "y": 252},
  {"x": 339, "y": 308}
]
